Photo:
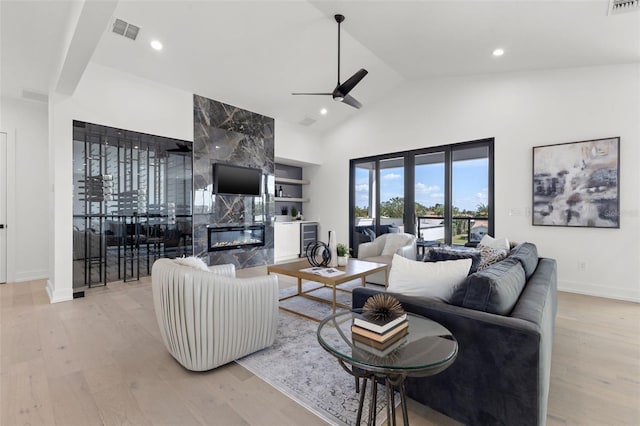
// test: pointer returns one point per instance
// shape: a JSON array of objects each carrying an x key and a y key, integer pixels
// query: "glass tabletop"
[{"x": 427, "y": 348}]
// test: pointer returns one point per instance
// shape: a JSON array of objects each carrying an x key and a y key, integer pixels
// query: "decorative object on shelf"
[
  {"x": 284, "y": 211},
  {"x": 280, "y": 193},
  {"x": 382, "y": 308},
  {"x": 333, "y": 260},
  {"x": 318, "y": 253},
  {"x": 343, "y": 254},
  {"x": 576, "y": 184},
  {"x": 294, "y": 212}
]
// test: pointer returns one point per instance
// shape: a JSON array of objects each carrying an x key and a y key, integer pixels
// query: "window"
[{"x": 442, "y": 193}]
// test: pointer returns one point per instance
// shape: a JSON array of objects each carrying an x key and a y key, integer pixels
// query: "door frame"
[
  {"x": 409, "y": 177},
  {"x": 10, "y": 171}
]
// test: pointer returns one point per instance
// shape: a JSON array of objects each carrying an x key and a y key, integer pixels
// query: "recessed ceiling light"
[
  {"x": 323, "y": 111},
  {"x": 498, "y": 52},
  {"x": 155, "y": 44}
]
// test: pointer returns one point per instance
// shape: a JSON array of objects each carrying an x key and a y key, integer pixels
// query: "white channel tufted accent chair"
[
  {"x": 383, "y": 248},
  {"x": 208, "y": 319}
]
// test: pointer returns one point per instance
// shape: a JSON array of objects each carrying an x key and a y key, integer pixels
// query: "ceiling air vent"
[
  {"x": 34, "y": 95},
  {"x": 307, "y": 121},
  {"x": 125, "y": 29},
  {"x": 623, "y": 6}
]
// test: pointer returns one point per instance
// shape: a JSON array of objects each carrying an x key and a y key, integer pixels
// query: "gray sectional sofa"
[{"x": 503, "y": 319}]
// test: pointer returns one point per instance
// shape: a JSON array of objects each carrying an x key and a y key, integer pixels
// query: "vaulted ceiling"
[{"x": 253, "y": 54}]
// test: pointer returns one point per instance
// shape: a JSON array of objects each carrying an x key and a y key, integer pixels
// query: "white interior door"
[{"x": 3, "y": 207}]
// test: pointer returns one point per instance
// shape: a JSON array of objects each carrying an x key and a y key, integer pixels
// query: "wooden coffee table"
[{"x": 355, "y": 269}]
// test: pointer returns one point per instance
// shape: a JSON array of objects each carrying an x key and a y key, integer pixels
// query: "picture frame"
[{"x": 577, "y": 184}]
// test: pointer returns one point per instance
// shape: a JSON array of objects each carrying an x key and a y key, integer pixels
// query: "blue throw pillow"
[
  {"x": 495, "y": 289},
  {"x": 527, "y": 255}
]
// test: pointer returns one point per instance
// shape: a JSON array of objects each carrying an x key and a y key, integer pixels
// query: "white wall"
[
  {"x": 25, "y": 123},
  {"x": 295, "y": 144},
  {"x": 520, "y": 110},
  {"x": 112, "y": 98}
]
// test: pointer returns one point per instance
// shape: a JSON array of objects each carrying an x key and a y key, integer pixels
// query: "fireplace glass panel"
[{"x": 231, "y": 237}]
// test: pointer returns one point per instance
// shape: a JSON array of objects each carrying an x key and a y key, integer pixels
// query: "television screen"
[{"x": 236, "y": 180}]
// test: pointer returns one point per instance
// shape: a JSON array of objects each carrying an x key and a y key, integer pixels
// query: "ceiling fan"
[
  {"x": 341, "y": 92},
  {"x": 182, "y": 147}
]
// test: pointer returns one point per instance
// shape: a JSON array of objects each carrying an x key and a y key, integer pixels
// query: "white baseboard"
[
  {"x": 630, "y": 295},
  {"x": 61, "y": 295},
  {"x": 39, "y": 274}
]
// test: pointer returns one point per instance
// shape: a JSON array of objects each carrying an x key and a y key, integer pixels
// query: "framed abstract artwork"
[{"x": 576, "y": 184}]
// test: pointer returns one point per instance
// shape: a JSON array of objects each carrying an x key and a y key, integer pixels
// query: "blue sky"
[{"x": 470, "y": 184}]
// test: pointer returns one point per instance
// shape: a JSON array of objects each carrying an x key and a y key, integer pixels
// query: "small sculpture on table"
[{"x": 318, "y": 253}]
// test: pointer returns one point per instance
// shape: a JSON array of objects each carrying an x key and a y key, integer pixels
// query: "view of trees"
[{"x": 395, "y": 208}]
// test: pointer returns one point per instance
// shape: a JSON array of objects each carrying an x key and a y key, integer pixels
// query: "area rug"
[{"x": 297, "y": 365}]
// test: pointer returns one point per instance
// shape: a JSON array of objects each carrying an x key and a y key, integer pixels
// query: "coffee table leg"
[
  {"x": 361, "y": 402},
  {"x": 373, "y": 402},
  {"x": 334, "y": 298},
  {"x": 403, "y": 402},
  {"x": 364, "y": 281},
  {"x": 391, "y": 403},
  {"x": 299, "y": 286}
]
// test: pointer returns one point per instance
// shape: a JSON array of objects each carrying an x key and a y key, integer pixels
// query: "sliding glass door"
[
  {"x": 379, "y": 204},
  {"x": 429, "y": 190},
  {"x": 392, "y": 195},
  {"x": 442, "y": 194},
  {"x": 470, "y": 183}
]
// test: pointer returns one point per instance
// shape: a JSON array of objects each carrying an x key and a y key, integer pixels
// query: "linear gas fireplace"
[{"x": 232, "y": 237}]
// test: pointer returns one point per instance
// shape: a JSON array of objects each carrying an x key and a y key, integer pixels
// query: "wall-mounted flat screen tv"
[{"x": 236, "y": 180}]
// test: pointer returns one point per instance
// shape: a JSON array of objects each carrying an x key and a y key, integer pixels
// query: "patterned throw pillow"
[
  {"x": 490, "y": 255},
  {"x": 439, "y": 254}
]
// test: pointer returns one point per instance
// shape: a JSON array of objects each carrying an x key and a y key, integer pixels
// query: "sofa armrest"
[
  {"x": 227, "y": 270},
  {"x": 409, "y": 251},
  {"x": 497, "y": 377},
  {"x": 372, "y": 249}
]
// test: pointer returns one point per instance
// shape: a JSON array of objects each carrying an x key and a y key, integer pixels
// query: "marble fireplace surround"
[{"x": 231, "y": 135}]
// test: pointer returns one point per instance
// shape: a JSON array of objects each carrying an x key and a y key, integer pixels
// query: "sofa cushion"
[
  {"x": 495, "y": 289},
  {"x": 438, "y": 254},
  {"x": 431, "y": 279},
  {"x": 527, "y": 255},
  {"x": 192, "y": 262},
  {"x": 380, "y": 259}
]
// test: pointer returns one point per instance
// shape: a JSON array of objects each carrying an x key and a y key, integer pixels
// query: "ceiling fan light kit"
[{"x": 341, "y": 92}]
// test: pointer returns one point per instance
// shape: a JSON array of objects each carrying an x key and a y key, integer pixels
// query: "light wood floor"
[{"x": 100, "y": 360}]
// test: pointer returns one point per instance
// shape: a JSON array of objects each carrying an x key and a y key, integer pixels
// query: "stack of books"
[{"x": 379, "y": 338}]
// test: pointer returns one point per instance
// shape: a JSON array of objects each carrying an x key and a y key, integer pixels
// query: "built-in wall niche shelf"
[
  {"x": 288, "y": 181},
  {"x": 291, "y": 199}
]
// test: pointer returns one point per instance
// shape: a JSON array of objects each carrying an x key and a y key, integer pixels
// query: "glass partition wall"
[
  {"x": 442, "y": 194},
  {"x": 132, "y": 203}
]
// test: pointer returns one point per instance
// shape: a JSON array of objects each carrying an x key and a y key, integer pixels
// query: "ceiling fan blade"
[
  {"x": 348, "y": 85},
  {"x": 324, "y": 94},
  {"x": 351, "y": 101}
]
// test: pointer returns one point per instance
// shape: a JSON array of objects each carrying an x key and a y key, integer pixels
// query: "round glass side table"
[{"x": 427, "y": 349}]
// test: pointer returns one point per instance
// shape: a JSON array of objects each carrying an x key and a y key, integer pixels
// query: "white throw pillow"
[
  {"x": 495, "y": 243},
  {"x": 427, "y": 279},
  {"x": 193, "y": 262}
]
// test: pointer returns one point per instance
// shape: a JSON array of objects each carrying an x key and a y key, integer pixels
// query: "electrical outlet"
[{"x": 582, "y": 265}]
